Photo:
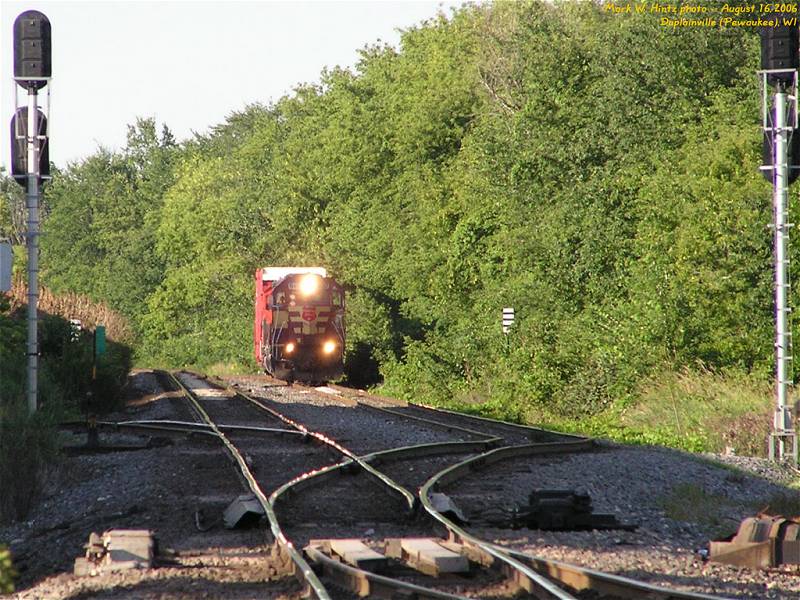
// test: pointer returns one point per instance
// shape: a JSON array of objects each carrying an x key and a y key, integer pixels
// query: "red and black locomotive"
[{"x": 299, "y": 328}]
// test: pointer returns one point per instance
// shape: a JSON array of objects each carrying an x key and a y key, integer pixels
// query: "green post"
[
  {"x": 99, "y": 340},
  {"x": 99, "y": 349}
]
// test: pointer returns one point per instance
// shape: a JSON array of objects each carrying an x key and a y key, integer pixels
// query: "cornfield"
[{"x": 74, "y": 306}]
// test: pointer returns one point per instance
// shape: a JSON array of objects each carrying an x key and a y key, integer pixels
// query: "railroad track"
[{"x": 391, "y": 489}]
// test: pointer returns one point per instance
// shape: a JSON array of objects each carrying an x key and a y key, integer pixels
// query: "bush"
[
  {"x": 29, "y": 443},
  {"x": 27, "y": 446},
  {"x": 6, "y": 571}
]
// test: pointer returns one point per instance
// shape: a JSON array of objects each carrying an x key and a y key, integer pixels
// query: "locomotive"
[{"x": 299, "y": 330}]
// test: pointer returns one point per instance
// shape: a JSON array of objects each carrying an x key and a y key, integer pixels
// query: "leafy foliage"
[
  {"x": 99, "y": 238},
  {"x": 597, "y": 173},
  {"x": 6, "y": 571}
]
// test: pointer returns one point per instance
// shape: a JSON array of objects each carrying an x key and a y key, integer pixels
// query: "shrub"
[
  {"x": 29, "y": 443},
  {"x": 6, "y": 571}
]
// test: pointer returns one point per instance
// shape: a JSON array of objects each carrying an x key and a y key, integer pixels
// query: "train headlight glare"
[
  {"x": 309, "y": 285},
  {"x": 289, "y": 347},
  {"x": 328, "y": 347}
]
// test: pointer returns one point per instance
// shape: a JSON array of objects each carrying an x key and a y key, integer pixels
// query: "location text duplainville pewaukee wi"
[{"x": 727, "y": 22}]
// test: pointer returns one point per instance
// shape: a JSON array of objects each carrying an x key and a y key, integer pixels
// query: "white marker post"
[{"x": 508, "y": 319}]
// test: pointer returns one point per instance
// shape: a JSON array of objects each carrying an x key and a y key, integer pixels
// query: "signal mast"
[
  {"x": 30, "y": 162},
  {"x": 779, "y": 62}
]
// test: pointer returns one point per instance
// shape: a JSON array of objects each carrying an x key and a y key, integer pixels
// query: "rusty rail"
[
  {"x": 303, "y": 567},
  {"x": 387, "y": 483},
  {"x": 534, "y": 574},
  {"x": 171, "y": 426},
  {"x": 575, "y": 577},
  {"x": 359, "y": 395},
  {"x": 528, "y": 579},
  {"x": 432, "y": 422}
]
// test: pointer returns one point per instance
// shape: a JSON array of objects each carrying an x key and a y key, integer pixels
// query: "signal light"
[
  {"x": 779, "y": 50},
  {"x": 19, "y": 145},
  {"x": 32, "y": 49}
]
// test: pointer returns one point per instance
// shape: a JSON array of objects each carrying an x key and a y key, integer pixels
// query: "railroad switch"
[
  {"x": 279, "y": 563},
  {"x": 430, "y": 556},
  {"x": 556, "y": 510},
  {"x": 761, "y": 542},
  {"x": 444, "y": 505}
]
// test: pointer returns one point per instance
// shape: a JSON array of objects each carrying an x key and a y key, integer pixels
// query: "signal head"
[{"x": 32, "y": 49}]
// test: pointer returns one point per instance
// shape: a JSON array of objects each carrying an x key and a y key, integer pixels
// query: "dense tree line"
[{"x": 597, "y": 172}]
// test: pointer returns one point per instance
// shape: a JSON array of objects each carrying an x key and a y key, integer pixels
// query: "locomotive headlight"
[
  {"x": 309, "y": 284},
  {"x": 289, "y": 347},
  {"x": 328, "y": 347}
]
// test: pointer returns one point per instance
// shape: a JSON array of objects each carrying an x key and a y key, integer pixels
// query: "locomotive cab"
[{"x": 299, "y": 327}]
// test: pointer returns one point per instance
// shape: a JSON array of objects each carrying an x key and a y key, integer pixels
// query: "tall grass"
[
  {"x": 695, "y": 410},
  {"x": 726, "y": 411},
  {"x": 27, "y": 446}
]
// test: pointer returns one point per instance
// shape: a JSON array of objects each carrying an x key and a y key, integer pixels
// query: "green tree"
[{"x": 99, "y": 238}]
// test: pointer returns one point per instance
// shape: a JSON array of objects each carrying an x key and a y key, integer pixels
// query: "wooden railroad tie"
[{"x": 426, "y": 555}]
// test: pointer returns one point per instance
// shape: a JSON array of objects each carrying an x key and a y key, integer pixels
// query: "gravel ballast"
[{"x": 680, "y": 502}]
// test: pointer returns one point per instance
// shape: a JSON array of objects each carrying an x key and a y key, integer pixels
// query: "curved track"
[{"x": 405, "y": 511}]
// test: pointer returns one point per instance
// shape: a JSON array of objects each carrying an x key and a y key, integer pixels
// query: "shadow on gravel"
[
  {"x": 179, "y": 584},
  {"x": 742, "y": 588}
]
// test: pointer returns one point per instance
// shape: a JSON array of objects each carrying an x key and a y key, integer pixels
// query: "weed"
[
  {"x": 6, "y": 571},
  {"x": 227, "y": 369},
  {"x": 720, "y": 409},
  {"x": 689, "y": 502},
  {"x": 27, "y": 445},
  {"x": 785, "y": 504}
]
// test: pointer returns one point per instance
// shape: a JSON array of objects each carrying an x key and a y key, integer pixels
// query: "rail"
[
  {"x": 303, "y": 567},
  {"x": 578, "y": 578}
]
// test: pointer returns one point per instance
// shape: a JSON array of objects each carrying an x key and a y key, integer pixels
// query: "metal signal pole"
[
  {"x": 783, "y": 438},
  {"x": 32, "y": 201},
  {"x": 29, "y": 160},
  {"x": 780, "y": 58}
]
